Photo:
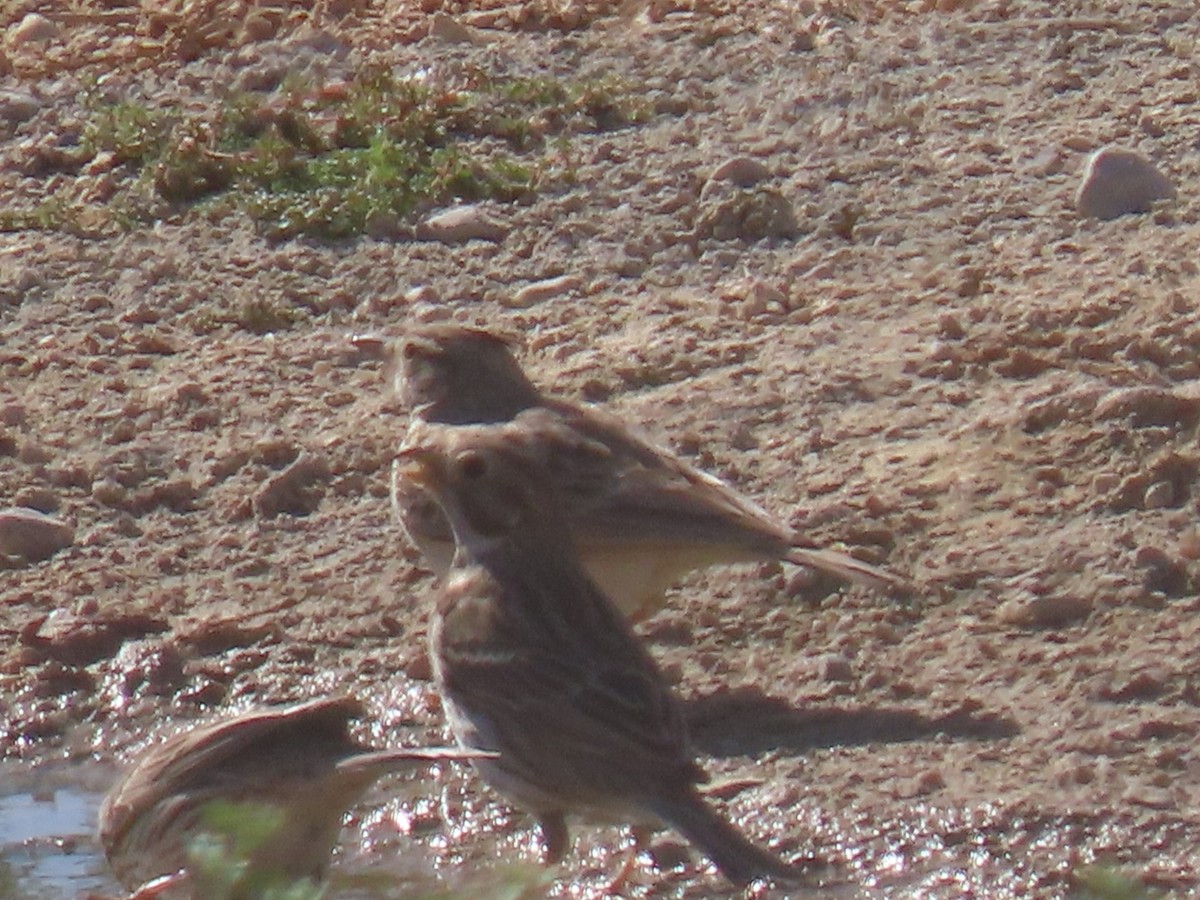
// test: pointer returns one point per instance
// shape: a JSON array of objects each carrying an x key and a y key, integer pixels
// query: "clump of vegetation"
[
  {"x": 338, "y": 160},
  {"x": 1101, "y": 882},
  {"x": 52, "y": 214},
  {"x": 257, "y": 315},
  {"x": 131, "y": 132},
  {"x": 219, "y": 859}
]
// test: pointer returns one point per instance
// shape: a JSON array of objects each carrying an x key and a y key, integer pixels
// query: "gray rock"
[
  {"x": 743, "y": 171},
  {"x": 18, "y": 106},
  {"x": 296, "y": 491},
  {"x": 1047, "y": 611},
  {"x": 33, "y": 28},
  {"x": 1159, "y": 495},
  {"x": 835, "y": 667},
  {"x": 1146, "y": 405},
  {"x": 731, "y": 213},
  {"x": 1119, "y": 182},
  {"x": 29, "y": 535},
  {"x": 449, "y": 30}
]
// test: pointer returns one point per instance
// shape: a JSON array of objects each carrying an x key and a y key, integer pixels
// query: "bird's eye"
[
  {"x": 409, "y": 351},
  {"x": 473, "y": 466}
]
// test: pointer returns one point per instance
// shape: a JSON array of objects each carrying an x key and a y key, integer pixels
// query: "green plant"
[
  {"x": 132, "y": 132},
  {"x": 334, "y": 160},
  {"x": 219, "y": 857},
  {"x": 1104, "y": 882}
]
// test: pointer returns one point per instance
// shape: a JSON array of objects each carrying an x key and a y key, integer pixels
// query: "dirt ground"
[{"x": 935, "y": 363}]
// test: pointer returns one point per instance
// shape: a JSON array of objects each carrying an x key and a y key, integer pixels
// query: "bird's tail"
[
  {"x": 738, "y": 859},
  {"x": 846, "y": 567},
  {"x": 380, "y": 761}
]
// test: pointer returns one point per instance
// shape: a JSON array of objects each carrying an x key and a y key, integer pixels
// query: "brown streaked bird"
[
  {"x": 534, "y": 663},
  {"x": 299, "y": 761},
  {"x": 641, "y": 516}
]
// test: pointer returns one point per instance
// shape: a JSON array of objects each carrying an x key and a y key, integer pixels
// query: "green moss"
[
  {"x": 132, "y": 132},
  {"x": 334, "y": 161},
  {"x": 53, "y": 214}
]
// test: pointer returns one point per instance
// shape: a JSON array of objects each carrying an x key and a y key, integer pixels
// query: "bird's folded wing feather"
[
  {"x": 620, "y": 480},
  {"x": 580, "y": 689}
]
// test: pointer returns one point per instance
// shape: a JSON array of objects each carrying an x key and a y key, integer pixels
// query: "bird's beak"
[{"x": 418, "y": 465}]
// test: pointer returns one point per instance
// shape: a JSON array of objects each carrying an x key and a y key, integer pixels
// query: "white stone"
[
  {"x": 541, "y": 291},
  {"x": 459, "y": 225}
]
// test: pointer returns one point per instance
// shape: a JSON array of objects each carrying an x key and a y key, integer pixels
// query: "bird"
[
  {"x": 642, "y": 517},
  {"x": 534, "y": 663},
  {"x": 297, "y": 761}
]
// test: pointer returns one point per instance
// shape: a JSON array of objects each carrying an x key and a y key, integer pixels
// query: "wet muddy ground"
[{"x": 915, "y": 350}]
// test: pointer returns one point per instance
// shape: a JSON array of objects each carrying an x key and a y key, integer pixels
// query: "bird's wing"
[
  {"x": 561, "y": 683},
  {"x": 640, "y": 490}
]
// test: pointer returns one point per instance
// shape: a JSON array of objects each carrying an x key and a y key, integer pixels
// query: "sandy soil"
[{"x": 937, "y": 364}]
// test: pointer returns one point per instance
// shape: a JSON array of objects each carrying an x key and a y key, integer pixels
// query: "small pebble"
[
  {"x": 32, "y": 29},
  {"x": 40, "y": 499},
  {"x": 18, "y": 106},
  {"x": 1165, "y": 575},
  {"x": 32, "y": 536},
  {"x": 804, "y": 41},
  {"x": 1159, "y": 495},
  {"x": 1049, "y": 611},
  {"x": 1189, "y": 544},
  {"x": 541, "y": 291},
  {"x": 1118, "y": 182},
  {"x": 743, "y": 171},
  {"x": 1081, "y": 773},
  {"x": 1150, "y": 405},
  {"x": 424, "y": 293},
  {"x": 1153, "y": 557},
  {"x": 257, "y": 27},
  {"x": 732, "y": 213},
  {"x": 109, "y": 492},
  {"x": 928, "y": 782},
  {"x": 12, "y": 414},
  {"x": 459, "y": 225},
  {"x": 449, "y": 30},
  {"x": 419, "y": 667},
  {"x": 835, "y": 667},
  {"x": 296, "y": 490}
]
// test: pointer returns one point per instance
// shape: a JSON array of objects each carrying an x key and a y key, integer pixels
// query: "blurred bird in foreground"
[
  {"x": 297, "y": 762},
  {"x": 641, "y": 516},
  {"x": 534, "y": 662}
]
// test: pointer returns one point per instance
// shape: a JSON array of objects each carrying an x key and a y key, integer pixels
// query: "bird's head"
[{"x": 460, "y": 375}]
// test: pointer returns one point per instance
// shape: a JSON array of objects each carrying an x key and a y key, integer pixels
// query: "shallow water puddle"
[{"x": 48, "y": 846}]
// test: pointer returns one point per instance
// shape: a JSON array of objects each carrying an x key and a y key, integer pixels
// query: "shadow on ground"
[{"x": 748, "y": 721}]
